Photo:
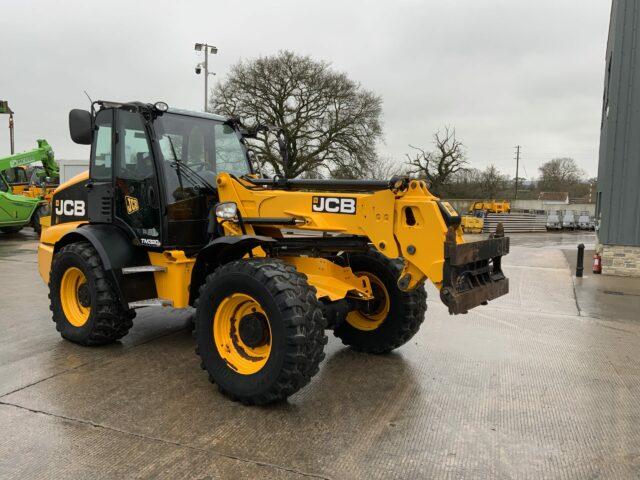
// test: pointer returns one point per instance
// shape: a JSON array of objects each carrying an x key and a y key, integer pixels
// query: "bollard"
[{"x": 580, "y": 261}]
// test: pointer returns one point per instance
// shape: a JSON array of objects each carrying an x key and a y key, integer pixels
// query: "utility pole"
[
  {"x": 4, "y": 108},
  {"x": 11, "y": 140},
  {"x": 206, "y": 48},
  {"x": 517, "y": 169}
]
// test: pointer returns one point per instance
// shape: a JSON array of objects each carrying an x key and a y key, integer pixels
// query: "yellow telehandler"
[{"x": 171, "y": 213}]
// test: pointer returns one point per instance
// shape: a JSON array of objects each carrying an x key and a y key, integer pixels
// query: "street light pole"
[
  {"x": 207, "y": 49},
  {"x": 517, "y": 169},
  {"x": 206, "y": 79}
]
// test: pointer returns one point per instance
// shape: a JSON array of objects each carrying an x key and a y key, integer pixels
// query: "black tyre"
[
  {"x": 41, "y": 211},
  {"x": 86, "y": 308},
  {"x": 10, "y": 229},
  {"x": 259, "y": 330},
  {"x": 392, "y": 318}
]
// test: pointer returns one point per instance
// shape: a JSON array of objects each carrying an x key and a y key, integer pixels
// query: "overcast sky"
[{"x": 502, "y": 72}]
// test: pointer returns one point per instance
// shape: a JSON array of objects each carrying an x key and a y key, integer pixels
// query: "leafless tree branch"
[
  {"x": 437, "y": 166},
  {"x": 330, "y": 123}
]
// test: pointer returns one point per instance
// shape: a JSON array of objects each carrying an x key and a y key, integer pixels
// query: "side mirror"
[
  {"x": 252, "y": 132},
  {"x": 81, "y": 126}
]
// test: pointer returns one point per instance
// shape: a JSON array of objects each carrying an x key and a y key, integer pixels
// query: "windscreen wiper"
[
  {"x": 191, "y": 173},
  {"x": 195, "y": 174}
]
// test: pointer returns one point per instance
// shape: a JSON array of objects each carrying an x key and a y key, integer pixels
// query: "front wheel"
[
  {"x": 259, "y": 330},
  {"x": 392, "y": 318}
]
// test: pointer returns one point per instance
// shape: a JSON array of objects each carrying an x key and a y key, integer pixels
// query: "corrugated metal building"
[{"x": 618, "y": 199}]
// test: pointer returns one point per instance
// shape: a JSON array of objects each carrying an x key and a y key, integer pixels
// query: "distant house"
[{"x": 554, "y": 198}]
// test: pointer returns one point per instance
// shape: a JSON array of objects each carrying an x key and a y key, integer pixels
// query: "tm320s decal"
[{"x": 150, "y": 241}]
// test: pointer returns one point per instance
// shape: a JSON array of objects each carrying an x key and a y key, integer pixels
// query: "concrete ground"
[{"x": 542, "y": 383}]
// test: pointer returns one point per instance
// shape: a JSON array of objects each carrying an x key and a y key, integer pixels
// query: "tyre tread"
[
  {"x": 304, "y": 322},
  {"x": 111, "y": 321},
  {"x": 413, "y": 308}
]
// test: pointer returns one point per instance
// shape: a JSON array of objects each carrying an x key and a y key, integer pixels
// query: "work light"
[
  {"x": 161, "y": 106},
  {"x": 226, "y": 210}
]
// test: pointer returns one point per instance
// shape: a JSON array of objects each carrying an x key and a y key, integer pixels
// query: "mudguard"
[
  {"x": 116, "y": 251},
  {"x": 232, "y": 247},
  {"x": 220, "y": 251},
  {"x": 120, "y": 251}
]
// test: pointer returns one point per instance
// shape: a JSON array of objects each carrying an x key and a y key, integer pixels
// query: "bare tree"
[
  {"x": 330, "y": 123},
  {"x": 492, "y": 182},
  {"x": 438, "y": 165},
  {"x": 464, "y": 183},
  {"x": 559, "y": 174},
  {"x": 383, "y": 168}
]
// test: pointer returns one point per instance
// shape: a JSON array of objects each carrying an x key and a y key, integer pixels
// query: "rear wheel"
[
  {"x": 10, "y": 229},
  {"x": 392, "y": 317},
  {"x": 86, "y": 308},
  {"x": 41, "y": 211},
  {"x": 259, "y": 330}
]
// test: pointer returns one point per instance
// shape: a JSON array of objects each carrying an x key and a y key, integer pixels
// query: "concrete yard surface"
[{"x": 539, "y": 384}]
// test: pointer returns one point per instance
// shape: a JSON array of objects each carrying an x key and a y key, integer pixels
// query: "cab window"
[
  {"x": 230, "y": 156},
  {"x": 101, "y": 166},
  {"x": 16, "y": 175}
]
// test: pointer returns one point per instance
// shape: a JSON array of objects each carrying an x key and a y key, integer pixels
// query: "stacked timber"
[{"x": 515, "y": 222}]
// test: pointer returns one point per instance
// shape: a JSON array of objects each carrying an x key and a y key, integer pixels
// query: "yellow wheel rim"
[
  {"x": 381, "y": 304},
  {"x": 242, "y": 333},
  {"x": 75, "y": 297}
]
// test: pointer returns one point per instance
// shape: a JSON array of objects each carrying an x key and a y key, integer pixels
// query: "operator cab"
[
  {"x": 153, "y": 169},
  {"x": 17, "y": 177}
]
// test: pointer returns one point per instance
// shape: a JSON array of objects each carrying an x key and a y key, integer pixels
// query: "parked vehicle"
[
  {"x": 569, "y": 220},
  {"x": 21, "y": 203},
  {"x": 586, "y": 221},
  {"x": 490, "y": 206},
  {"x": 554, "y": 221},
  {"x": 472, "y": 224}
]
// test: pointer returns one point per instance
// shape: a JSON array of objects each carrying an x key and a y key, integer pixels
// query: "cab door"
[{"x": 137, "y": 202}]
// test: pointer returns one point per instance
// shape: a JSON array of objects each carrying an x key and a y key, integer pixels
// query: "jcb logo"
[
  {"x": 334, "y": 205},
  {"x": 70, "y": 208},
  {"x": 132, "y": 204}
]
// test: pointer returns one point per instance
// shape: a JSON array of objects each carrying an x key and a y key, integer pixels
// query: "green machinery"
[{"x": 18, "y": 211}]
